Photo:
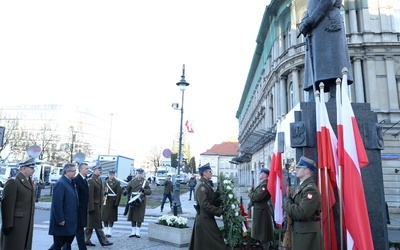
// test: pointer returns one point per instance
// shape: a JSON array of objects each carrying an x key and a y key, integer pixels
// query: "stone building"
[{"x": 274, "y": 86}]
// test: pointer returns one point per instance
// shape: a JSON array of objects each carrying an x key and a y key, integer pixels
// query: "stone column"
[
  {"x": 398, "y": 86},
  {"x": 370, "y": 83},
  {"x": 296, "y": 80},
  {"x": 276, "y": 101},
  {"x": 283, "y": 96},
  {"x": 353, "y": 21},
  {"x": 391, "y": 81},
  {"x": 358, "y": 80}
]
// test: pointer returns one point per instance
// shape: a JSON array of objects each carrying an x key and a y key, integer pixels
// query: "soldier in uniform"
[
  {"x": 136, "y": 213},
  {"x": 206, "y": 234},
  {"x": 262, "y": 226},
  {"x": 305, "y": 208},
  {"x": 94, "y": 208},
  {"x": 112, "y": 192},
  {"x": 17, "y": 209}
]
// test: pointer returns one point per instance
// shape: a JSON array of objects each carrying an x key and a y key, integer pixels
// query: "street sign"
[{"x": 167, "y": 153}]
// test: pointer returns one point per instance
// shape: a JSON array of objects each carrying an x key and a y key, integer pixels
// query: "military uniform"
[
  {"x": 110, "y": 210},
  {"x": 206, "y": 234},
  {"x": 17, "y": 211},
  {"x": 136, "y": 213},
  {"x": 262, "y": 226},
  {"x": 305, "y": 208}
]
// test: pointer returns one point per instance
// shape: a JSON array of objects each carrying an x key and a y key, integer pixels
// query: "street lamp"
[
  {"x": 72, "y": 143},
  {"x": 182, "y": 84}
]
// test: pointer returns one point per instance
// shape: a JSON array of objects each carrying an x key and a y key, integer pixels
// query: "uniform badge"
[
  {"x": 309, "y": 196},
  {"x": 202, "y": 189},
  {"x": 263, "y": 189}
]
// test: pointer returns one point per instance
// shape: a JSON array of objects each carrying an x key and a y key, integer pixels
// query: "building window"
[{"x": 291, "y": 95}]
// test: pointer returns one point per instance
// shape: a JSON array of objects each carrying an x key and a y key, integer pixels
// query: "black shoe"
[
  {"x": 107, "y": 244},
  {"x": 90, "y": 244},
  {"x": 190, "y": 199},
  {"x": 108, "y": 235},
  {"x": 132, "y": 235},
  {"x": 137, "y": 236}
]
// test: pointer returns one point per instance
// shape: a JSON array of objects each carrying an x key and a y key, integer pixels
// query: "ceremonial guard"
[
  {"x": 206, "y": 234},
  {"x": 305, "y": 208},
  {"x": 262, "y": 226},
  {"x": 112, "y": 198},
  {"x": 139, "y": 188}
]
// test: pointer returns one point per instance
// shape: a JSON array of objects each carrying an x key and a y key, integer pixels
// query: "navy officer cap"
[
  {"x": 30, "y": 162},
  {"x": 204, "y": 168},
  {"x": 140, "y": 170},
  {"x": 308, "y": 163}
]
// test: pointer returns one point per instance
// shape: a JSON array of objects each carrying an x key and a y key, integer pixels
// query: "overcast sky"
[{"x": 125, "y": 57}]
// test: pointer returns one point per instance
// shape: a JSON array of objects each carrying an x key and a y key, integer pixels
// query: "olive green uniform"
[
  {"x": 110, "y": 210},
  {"x": 305, "y": 207},
  {"x": 136, "y": 213},
  {"x": 262, "y": 226},
  {"x": 206, "y": 234}
]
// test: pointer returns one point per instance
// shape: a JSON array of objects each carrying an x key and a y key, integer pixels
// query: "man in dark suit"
[
  {"x": 18, "y": 208},
  {"x": 83, "y": 194},
  {"x": 64, "y": 209}
]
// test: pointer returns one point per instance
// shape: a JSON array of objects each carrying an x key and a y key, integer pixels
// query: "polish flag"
[
  {"x": 275, "y": 182},
  {"x": 352, "y": 156},
  {"x": 327, "y": 164},
  {"x": 189, "y": 126}
]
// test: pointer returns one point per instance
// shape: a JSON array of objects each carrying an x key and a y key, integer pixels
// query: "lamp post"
[
  {"x": 72, "y": 143},
  {"x": 182, "y": 84}
]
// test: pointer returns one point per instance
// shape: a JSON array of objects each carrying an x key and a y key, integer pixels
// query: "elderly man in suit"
[
  {"x": 64, "y": 209},
  {"x": 17, "y": 209},
  {"x": 94, "y": 208}
]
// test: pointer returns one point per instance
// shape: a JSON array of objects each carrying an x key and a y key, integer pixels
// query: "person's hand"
[
  {"x": 91, "y": 212},
  {"x": 305, "y": 26},
  {"x": 7, "y": 230}
]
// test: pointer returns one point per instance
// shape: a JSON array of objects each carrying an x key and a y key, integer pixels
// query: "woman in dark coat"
[
  {"x": 113, "y": 190},
  {"x": 262, "y": 226},
  {"x": 136, "y": 213},
  {"x": 327, "y": 51},
  {"x": 17, "y": 209},
  {"x": 206, "y": 234}
]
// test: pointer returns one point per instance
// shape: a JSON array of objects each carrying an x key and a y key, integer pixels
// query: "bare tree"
[{"x": 155, "y": 157}]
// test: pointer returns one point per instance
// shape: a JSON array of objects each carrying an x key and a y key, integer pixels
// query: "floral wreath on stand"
[{"x": 232, "y": 218}]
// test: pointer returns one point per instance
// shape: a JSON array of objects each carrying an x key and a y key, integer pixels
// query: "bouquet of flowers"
[
  {"x": 232, "y": 218},
  {"x": 173, "y": 221}
]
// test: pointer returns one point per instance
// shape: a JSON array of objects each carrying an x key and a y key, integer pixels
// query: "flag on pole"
[
  {"x": 327, "y": 163},
  {"x": 189, "y": 127},
  {"x": 352, "y": 156},
  {"x": 275, "y": 181}
]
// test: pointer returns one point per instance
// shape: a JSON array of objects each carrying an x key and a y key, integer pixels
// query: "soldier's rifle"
[
  {"x": 287, "y": 241},
  {"x": 251, "y": 190}
]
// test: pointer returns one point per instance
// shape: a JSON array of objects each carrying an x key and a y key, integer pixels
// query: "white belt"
[{"x": 111, "y": 195}]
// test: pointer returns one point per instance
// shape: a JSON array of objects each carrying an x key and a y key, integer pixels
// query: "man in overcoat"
[
  {"x": 64, "y": 209},
  {"x": 113, "y": 191},
  {"x": 168, "y": 190},
  {"x": 206, "y": 234},
  {"x": 95, "y": 204},
  {"x": 305, "y": 208},
  {"x": 262, "y": 226},
  {"x": 82, "y": 189},
  {"x": 18, "y": 208},
  {"x": 326, "y": 45},
  {"x": 136, "y": 213}
]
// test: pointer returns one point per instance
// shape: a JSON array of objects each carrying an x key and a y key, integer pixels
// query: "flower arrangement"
[
  {"x": 232, "y": 218},
  {"x": 173, "y": 221}
]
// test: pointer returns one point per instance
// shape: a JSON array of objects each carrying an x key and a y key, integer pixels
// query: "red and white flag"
[
  {"x": 327, "y": 164},
  {"x": 352, "y": 156},
  {"x": 189, "y": 126},
  {"x": 275, "y": 182}
]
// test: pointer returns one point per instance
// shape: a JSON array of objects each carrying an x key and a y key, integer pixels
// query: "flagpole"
[
  {"x": 328, "y": 207},
  {"x": 339, "y": 181}
]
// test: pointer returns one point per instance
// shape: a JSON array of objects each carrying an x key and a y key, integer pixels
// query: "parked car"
[{"x": 7, "y": 172}]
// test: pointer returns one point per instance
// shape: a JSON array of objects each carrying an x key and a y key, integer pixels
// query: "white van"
[{"x": 55, "y": 174}]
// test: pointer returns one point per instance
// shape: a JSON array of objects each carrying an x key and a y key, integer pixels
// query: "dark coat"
[
  {"x": 110, "y": 210},
  {"x": 95, "y": 202},
  {"x": 328, "y": 44},
  {"x": 168, "y": 187},
  {"x": 136, "y": 213},
  {"x": 192, "y": 182},
  {"x": 64, "y": 207},
  {"x": 82, "y": 189},
  {"x": 17, "y": 211},
  {"x": 262, "y": 226},
  {"x": 306, "y": 204},
  {"x": 206, "y": 234}
]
